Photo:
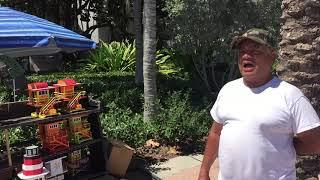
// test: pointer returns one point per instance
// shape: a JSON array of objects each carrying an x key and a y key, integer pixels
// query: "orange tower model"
[
  {"x": 54, "y": 136},
  {"x": 65, "y": 90},
  {"x": 79, "y": 129},
  {"x": 39, "y": 97}
]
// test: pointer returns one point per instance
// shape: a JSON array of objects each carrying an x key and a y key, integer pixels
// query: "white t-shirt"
[{"x": 258, "y": 128}]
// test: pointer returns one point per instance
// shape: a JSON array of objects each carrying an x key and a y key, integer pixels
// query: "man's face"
[{"x": 255, "y": 61}]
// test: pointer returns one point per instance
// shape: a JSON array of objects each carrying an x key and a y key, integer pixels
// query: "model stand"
[{"x": 53, "y": 131}]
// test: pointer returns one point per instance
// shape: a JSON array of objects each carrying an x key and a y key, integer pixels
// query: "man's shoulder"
[
  {"x": 231, "y": 85},
  {"x": 236, "y": 82},
  {"x": 290, "y": 91},
  {"x": 289, "y": 88}
]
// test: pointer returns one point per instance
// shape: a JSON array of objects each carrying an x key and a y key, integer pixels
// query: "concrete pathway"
[{"x": 183, "y": 168}]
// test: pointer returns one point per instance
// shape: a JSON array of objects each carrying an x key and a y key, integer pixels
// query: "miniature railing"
[
  {"x": 75, "y": 99},
  {"x": 65, "y": 95},
  {"x": 86, "y": 125},
  {"x": 50, "y": 103},
  {"x": 38, "y": 100}
]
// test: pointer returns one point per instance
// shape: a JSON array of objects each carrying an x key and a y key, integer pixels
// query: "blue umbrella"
[{"x": 23, "y": 34}]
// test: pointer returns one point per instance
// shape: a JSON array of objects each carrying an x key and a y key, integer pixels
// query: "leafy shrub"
[
  {"x": 167, "y": 63},
  {"x": 116, "y": 56},
  {"x": 20, "y": 136},
  {"x": 5, "y": 94},
  {"x": 120, "y": 56},
  {"x": 123, "y": 124},
  {"x": 179, "y": 122}
]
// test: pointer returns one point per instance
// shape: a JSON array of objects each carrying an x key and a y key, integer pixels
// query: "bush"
[
  {"x": 123, "y": 124},
  {"x": 179, "y": 122},
  {"x": 5, "y": 94},
  {"x": 116, "y": 56},
  {"x": 168, "y": 62},
  {"x": 120, "y": 56}
]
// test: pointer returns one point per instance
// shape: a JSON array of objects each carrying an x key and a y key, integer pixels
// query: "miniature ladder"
[
  {"x": 45, "y": 108},
  {"x": 75, "y": 99}
]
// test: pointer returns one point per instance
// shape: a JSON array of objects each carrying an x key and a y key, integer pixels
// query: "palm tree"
[
  {"x": 299, "y": 57},
  {"x": 300, "y": 46},
  {"x": 149, "y": 59},
  {"x": 137, "y": 5}
]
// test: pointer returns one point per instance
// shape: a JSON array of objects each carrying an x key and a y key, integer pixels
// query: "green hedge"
[{"x": 183, "y": 112}]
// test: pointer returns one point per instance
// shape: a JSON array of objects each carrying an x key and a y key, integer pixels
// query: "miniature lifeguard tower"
[
  {"x": 39, "y": 97},
  {"x": 79, "y": 129},
  {"x": 77, "y": 162},
  {"x": 57, "y": 167},
  {"x": 32, "y": 167},
  {"x": 54, "y": 136},
  {"x": 65, "y": 90},
  {"x": 74, "y": 162}
]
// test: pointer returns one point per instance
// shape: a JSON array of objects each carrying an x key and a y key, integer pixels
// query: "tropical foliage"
[
  {"x": 121, "y": 56},
  {"x": 116, "y": 56}
]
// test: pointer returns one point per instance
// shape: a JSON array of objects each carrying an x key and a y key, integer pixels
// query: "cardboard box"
[{"x": 119, "y": 158}]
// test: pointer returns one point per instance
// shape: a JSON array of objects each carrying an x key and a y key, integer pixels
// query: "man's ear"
[{"x": 273, "y": 53}]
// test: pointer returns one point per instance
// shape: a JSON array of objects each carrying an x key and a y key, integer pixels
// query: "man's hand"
[
  {"x": 211, "y": 151},
  {"x": 308, "y": 142}
]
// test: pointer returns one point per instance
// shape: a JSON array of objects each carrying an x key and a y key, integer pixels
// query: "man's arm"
[
  {"x": 308, "y": 142},
  {"x": 211, "y": 150}
]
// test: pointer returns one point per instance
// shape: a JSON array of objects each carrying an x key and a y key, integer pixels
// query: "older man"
[{"x": 260, "y": 122}]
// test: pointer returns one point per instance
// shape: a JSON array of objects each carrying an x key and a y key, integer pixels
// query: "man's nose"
[{"x": 246, "y": 55}]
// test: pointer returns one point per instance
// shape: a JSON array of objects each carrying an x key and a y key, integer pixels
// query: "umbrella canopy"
[{"x": 23, "y": 34}]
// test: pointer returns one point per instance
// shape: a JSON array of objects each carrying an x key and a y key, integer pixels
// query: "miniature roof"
[
  {"x": 31, "y": 147},
  {"x": 67, "y": 82},
  {"x": 38, "y": 86}
]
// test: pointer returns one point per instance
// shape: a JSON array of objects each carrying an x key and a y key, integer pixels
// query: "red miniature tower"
[
  {"x": 65, "y": 89},
  {"x": 32, "y": 167},
  {"x": 39, "y": 97},
  {"x": 54, "y": 136}
]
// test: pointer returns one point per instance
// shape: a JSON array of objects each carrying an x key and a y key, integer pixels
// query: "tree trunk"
[
  {"x": 300, "y": 47},
  {"x": 299, "y": 57},
  {"x": 139, "y": 41},
  {"x": 149, "y": 60}
]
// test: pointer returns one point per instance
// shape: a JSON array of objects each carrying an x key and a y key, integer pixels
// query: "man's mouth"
[{"x": 248, "y": 66}]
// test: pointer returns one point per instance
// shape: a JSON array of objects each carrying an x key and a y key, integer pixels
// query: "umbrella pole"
[
  {"x": 6, "y": 138},
  {"x": 6, "y": 132}
]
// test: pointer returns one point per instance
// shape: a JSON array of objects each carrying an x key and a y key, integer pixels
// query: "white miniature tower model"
[{"x": 32, "y": 167}]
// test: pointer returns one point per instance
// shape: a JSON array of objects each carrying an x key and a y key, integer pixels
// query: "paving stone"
[{"x": 174, "y": 166}]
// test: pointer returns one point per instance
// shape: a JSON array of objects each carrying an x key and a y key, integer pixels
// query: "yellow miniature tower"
[
  {"x": 39, "y": 97},
  {"x": 79, "y": 129}
]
